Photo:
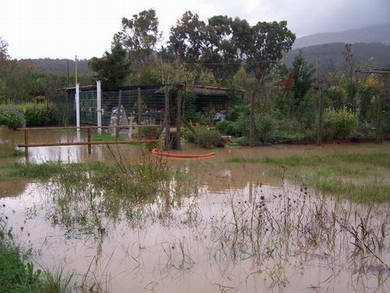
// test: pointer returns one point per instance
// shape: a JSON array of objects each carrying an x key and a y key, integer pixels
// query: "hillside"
[
  {"x": 331, "y": 58},
  {"x": 331, "y": 55},
  {"x": 372, "y": 34},
  {"x": 59, "y": 66}
]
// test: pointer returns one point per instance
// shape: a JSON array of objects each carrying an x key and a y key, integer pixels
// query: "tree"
[
  {"x": 139, "y": 35},
  {"x": 350, "y": 73},
  {"x": 113, "y": 68},
  {"x": 3, "y": 50},
  {"x": 187, "y": 39},
  {"x": 302, "y": 74},
  {"x": 265, "y": 46},
  {"x": 214, "y": 46}
]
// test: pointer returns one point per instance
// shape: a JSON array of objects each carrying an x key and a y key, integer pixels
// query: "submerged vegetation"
[{"x": 359, "y": 177}]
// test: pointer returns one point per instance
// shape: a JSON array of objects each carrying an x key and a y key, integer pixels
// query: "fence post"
[
  {"x": 167, "y": 119},
  {"x": 118, "y": 119},
  {"x": 99, "y": 105},
  {"x": 178, "y": 119},
  {"x": 77, "y": 102},
  {"x": 89, "y": 140},
  {"x": 26, "y": 143},
  {"x": 139, "y": 108},
  {"x": 320, "y": 104},
  {"x": 252, "y": 120}
]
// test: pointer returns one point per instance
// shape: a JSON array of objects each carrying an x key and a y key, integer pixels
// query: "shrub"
[
  {"x": 203, "y": 136},
  {"x": 237, "y": 123},
  {"x": 339, "y": 124},
  {"x": 29, "y": 114},
  {"x": 39, "y": 114},
  {"x": 264, "y": 127},
  {"x": 11, "y": 117},
  {"x": 149, "y": 132}
]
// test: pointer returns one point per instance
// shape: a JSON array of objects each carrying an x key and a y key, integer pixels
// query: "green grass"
[
  {"x": 356, "y": 176},
  {"x": 18, "y": 275},
  {"x": 7, "y": 151},
  {"x": 103, "y": 137},
  {"x": 47, "y": 170},
  {"x": 15, "y": 274}
]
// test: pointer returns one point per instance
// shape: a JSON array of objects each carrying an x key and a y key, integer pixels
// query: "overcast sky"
[{"x": 63, "y": 28}]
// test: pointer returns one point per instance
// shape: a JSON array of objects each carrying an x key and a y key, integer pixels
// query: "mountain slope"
[
  {"x": 59, "y": 66},
  {"x": 331, "y": 55},
  {"x": 372, "y": 34}
]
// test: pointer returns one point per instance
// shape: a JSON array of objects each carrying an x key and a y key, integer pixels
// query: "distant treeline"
[
  {"x": 331, "y": 56},
  {"x": 60, "y": 66}
]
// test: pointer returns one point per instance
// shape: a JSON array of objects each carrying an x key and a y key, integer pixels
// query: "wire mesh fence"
[{"x": 144, "y": 105}]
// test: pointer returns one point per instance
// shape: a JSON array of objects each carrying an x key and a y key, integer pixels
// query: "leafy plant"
[
  {"x": 339, "y": 124},
  {"x": 203, "y": 136},
  {"x": 264, "y": 127},
  {"x": 11, "y": 117},
  {"x": 39, "y": 114}
]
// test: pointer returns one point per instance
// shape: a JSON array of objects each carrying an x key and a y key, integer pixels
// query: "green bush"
[
  {"x": 264, "y": 127},
  {"x": 237, "y": 122},
  {"x": 239, "y": 127},
  {"x": 203, "y": 136},
  {"x": 39, "y": 114},
  {"x": 291, "y": 136},
  {"x": 29, "y": 114},
  {"x": 149, "y": 132},
  {"x": 11, "y": 117},
  {"x": 339, "y": 124}
]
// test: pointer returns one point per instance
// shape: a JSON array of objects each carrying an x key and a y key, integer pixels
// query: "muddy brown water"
[{"x": 243, "y": 231}]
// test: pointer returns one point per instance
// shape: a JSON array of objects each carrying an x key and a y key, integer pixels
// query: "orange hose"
[{"x": 159, "y": 153}]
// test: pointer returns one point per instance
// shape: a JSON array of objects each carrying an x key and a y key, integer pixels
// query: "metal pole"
[
  {"x": 119, "y": 115},
  {"x": 77, "y": 101},
  {"x": 99, "y": 105},
  {"x": 75, "y": 70}
]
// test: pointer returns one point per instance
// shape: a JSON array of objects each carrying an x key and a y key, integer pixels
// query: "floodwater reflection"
[
  {"x": 238, "y": 230},
  {"x": 251, "y": 240}
]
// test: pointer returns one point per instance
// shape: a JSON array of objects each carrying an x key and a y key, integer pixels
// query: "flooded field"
[{"x": 241, "y": 222}]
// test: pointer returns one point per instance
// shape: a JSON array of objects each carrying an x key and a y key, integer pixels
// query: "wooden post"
[
  {"x": 139, "y": 106},
  {"x": 252, "y": 120},
  {"x": 320, "y": 104},
  {"x": 381, "y": 100},
  {"x": 89, "y": 141},
  {"x": 26, "y": 144},
  {"x": 178, "y": 120},
  {"x": 166, "y": 120}
]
